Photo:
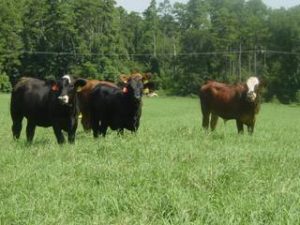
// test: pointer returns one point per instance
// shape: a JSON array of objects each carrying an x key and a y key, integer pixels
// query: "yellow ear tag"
[{"x": 79, "y": 89}]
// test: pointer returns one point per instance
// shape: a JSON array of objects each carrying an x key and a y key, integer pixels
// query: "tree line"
[{"x": 183, "y": 44}]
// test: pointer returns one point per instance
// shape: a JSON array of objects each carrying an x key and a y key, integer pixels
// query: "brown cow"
[
  {"x": 84, "y": 101},
  {"x": 240, "y": 102}
]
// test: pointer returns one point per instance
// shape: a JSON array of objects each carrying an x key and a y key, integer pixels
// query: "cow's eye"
[{"x": 71, "y": 86}]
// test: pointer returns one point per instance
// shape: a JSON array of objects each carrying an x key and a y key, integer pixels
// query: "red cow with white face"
[{"x": 240, "y": 102}]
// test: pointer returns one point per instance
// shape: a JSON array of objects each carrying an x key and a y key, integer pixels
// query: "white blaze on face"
[
  {"x": 65, "y": 98},
  {"x": 67, "y": 77},
  {"x": 252, "y": 82}
]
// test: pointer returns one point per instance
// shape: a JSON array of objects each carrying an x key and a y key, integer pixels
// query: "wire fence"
[{"x": 267, "y": 52}]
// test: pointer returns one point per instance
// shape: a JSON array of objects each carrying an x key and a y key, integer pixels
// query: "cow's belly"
[
  {"x": 47, "y": 121},
  {"x": 119, "y": 124},
  {"x": 124, "y": 123},
  {"x": 40, "y": 119},
  {"x": 224, "y": 114},
  {"x": 116, "y": 124},
  {"x": 43, "y": 124},
  {"x": 247, "y": 119}
]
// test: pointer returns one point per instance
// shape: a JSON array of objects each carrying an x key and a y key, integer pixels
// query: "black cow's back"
[
  {"x": 32, "y": 98},
  {"x": 114, "y": 108}
]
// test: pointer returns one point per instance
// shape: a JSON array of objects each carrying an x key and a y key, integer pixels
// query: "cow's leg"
[
  {"x": 205, "y": 114},
  {"x": 250, "y": 127},
  {"x": 95, "y": 127},
  {"x": 58, "y": 134},
  {"x": 95, "y": 132},
  {"x": 240, "y": 127},
  {"x": 136, "y": 125},
  {"x": 121, "y": 131},
  {"x": 205, "y": 120},
  {"x": 213, "y": 121},
  {"x": 95, "y": 124},
  {"x": 17, "y": 126},
  {"x": 103, "y": 129},
  {"x": 86, "y": 121},
  {"x": 72, "y": 130},
  {"x": 71, "y": 136},
  {"x": 30, "y": 130}
]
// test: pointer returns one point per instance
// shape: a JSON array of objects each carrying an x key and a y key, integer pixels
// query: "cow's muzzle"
[
  {"x": 64, "y": 99},
  {"x": 251, "y": 96},
  {"x": 137, "y": 97}
]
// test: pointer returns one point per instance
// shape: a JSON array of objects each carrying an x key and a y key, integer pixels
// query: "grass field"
[{"x": 170, "y": 172}]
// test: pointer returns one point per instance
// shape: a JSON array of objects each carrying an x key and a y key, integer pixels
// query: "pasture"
[{"x": 170, "y": 172}]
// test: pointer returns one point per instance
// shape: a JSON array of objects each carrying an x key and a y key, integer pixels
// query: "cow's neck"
[
  {"x": 75, "y": 106},
  {"x": 69, "y": 109},
  {"x": 131, "y": 102},
  {"x": 247, "y": 106}
]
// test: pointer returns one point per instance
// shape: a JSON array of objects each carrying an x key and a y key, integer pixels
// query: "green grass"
[{"x": 170, "y": 172}]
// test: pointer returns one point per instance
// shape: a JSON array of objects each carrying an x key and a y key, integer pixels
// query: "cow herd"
[{"x": 103, "y": 105}]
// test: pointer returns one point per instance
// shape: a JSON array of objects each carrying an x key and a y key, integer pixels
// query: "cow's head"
[
  {"x": 147, "y": 76},
  {"x": 252, "y": 88},
  {"x": 133, "y": 85},
  {"x": 67, "y": 87}
]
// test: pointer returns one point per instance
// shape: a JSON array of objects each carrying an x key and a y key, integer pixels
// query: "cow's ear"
[
  {"x": 53, "y": 85},
  {"x": 137, "y": 76},
  {"x": 262, "y": 84},
  {"x": 147, "y": 76},
  {"x": 79, "y": 83},
  {"x": 124, "y": 78}
]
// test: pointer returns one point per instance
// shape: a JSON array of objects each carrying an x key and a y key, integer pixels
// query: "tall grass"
[{"x": 170, "y": 172}]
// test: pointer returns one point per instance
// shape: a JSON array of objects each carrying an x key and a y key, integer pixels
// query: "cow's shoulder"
[
  {"x": 109, "y": 84},
  {"x": 28, "y": 81}
]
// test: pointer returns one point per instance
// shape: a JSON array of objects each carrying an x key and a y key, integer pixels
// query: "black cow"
[
  {"x": 84, "y": 101},
  {"x": 46, "y": 103},
  {"x": 115, "y": 107}
]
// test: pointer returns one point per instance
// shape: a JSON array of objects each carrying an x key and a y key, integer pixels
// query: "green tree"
[
  {"x": 131, "y": 33},
  {"x": 10, "y": 39},
  {"x": 149, "y": 49},
  {"x": 48, "y": 37},
  {"x": 168, "y": 44},
  {"x": 284, "y": 63},
  {"x": 193, "y": 67},
  {"x": 98, "y": 33}
]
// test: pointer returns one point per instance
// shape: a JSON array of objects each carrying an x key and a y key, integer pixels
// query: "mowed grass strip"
[{"x": 170, "y": 172}]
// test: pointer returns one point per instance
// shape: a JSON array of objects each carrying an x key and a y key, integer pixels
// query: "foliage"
[
  {"x": 5, "y": 85},
  {"x": 297, "y": 97},
  {"x": 184, "y": 44},
  {"x": 10, "y": 37}
]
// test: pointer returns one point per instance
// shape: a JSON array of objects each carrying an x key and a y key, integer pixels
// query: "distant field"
[{"x": 170, "y": 172}]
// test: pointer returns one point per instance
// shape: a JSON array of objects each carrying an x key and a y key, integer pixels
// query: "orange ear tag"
[
  {"x": 125, "y": 90},
  {"x": 55, "y": 87}
]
